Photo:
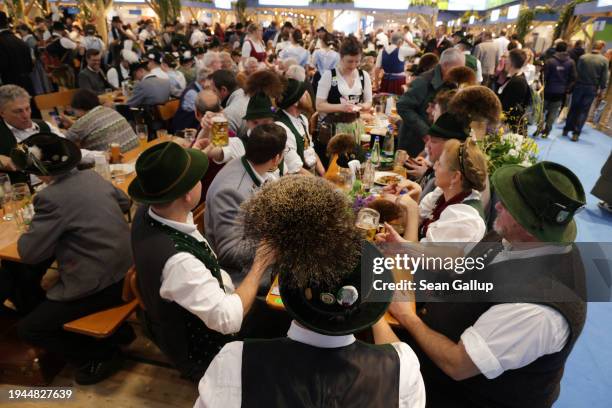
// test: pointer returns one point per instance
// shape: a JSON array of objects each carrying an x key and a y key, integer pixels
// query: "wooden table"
[
  {"x": 9, "y": 233},
  {"x": 132, "y": 156}
]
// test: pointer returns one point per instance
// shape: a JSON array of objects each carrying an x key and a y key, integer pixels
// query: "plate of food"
[
  {"x": 119, "y": 170},
  {"x": 386, "y": 178}
]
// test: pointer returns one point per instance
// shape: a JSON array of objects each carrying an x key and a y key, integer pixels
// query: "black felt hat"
[
  {"x": 46, "y": 154},
  {"x": 347, "y": 307},
  {"x": 449, "y": 126},
  {"x": 293, "y": 92}
]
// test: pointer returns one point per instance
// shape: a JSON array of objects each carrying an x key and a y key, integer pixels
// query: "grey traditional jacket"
[{"x": 79, "y": 221}]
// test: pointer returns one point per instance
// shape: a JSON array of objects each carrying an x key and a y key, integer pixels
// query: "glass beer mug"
[
  {"x": 367, "y": 222},
  {"x": 219, "y": 131}
]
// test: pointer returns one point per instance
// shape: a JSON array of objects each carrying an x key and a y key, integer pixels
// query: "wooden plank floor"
[{"x": 135, "y": 385}]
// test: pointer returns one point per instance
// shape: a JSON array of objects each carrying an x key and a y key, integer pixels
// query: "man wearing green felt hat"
[
  {"x": 510, "y": 348},
  {"x": 191, "y": 306},
  {"x": 320, "y": 362}
]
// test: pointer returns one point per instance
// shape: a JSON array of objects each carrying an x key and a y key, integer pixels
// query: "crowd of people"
[{"x": 269, "y": 211}]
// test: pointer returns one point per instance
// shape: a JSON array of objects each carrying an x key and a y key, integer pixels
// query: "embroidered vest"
[{"x": 181, "y": 336}]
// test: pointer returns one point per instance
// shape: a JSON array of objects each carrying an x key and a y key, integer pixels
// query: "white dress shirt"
[
  {"x": 343, "y": 88},
  {"x": 382, "y": 39},
  {"x": 235, "y": 150},
  {"x": 293, "y": 162},
  {"x": 160, "y": 73},
  {"x": 281, "y": 46},
  {"x": 246, "y": 47},
  {"x": 297, "y": 52},
  {"x": 23, "y": 134},
  {"x": 113, "y": 77},
  {"x": 144, "y": 35},
  {"x": 502, "y": 43},
  {"x": 512, "y": 335},
  {"x": 188, "y": 282},
  {"x": 177, "y": 82},
  {"x": 457, "y": 223},
  {"x": 221, "y": 385},
  {"x": 197, "y": 38}
]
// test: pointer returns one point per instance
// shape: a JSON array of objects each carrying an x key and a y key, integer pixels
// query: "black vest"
[
  {"x": 181, "y": 336},
  {"x": 287, "y": 373},
  {"x": 334, "y": 94},
  {"x": 535, "y": 385},
  {"x": 184, "y": 119},
  {"x": 8, "y": 142}
]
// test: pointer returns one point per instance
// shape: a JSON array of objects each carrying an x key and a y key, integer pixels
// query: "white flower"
[
  {"x": 513, "y": 153},
  {"x": 526, "y": 163},
  {"x": 518, "y": 140}
]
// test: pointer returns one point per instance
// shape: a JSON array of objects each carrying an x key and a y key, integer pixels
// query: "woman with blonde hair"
[
  {"x": 453, "y": 212},
  {"x": 253, "y": 45}
]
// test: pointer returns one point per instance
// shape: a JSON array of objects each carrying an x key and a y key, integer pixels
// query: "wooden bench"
[
  {"x": 104, "y": 323},
  {"x": 168, "y": 109},
  {"x": 55, "y": 99}
]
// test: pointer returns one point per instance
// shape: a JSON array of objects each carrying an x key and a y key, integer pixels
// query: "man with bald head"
[
  {"x": 184, "y": 117},
  {"x": 591, "y": 81}
]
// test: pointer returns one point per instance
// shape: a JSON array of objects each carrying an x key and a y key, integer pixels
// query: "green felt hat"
[
  {"x": 260, "y": 106},
  {"x": 46, "y": 154},
  {"x": 449, "y": 126},
  {"x": 293, "y": 92},
  {"x": 348, "y": 307},
  {"x": 542, "y": 198},
  {"x": 165, "y": 172}
]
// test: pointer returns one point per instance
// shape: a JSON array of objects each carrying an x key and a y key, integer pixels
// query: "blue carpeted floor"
[{"x": 588, "y": 374}]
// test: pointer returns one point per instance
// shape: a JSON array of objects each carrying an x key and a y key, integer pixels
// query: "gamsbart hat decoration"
[{"x": 304, "y": 219}]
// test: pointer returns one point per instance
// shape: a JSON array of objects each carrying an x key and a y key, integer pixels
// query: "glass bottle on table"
[
  {"x": 368, "y": 175},
  {"x": 388, "y": 148},
  {"x": 398, "y": 163},
  {"x": 5, "y": 197},
  {"x": 375, "y": 152}
]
